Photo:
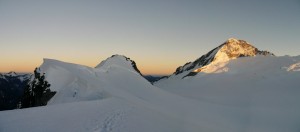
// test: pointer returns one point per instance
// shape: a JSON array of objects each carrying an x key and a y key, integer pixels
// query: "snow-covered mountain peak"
[
  {"x": 234, "y": 48},
  {"x": 230, "y": 49},
  {"x": 118, "y": 61},
  {"x": 11, "y": 74}
]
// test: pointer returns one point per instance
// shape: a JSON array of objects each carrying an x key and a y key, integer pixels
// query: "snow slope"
[
  {"x": 263, "y": 90},
  {"x": 255, "y": 94}
]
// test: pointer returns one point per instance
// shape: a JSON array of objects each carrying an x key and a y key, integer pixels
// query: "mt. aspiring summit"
[{"x": 231, "y": 49}]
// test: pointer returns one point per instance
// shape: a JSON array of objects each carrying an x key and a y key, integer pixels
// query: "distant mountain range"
[{"x": 11, "y": 89}]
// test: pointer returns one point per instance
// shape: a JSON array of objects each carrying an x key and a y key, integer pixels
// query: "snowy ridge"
[
  {"x": 69, "y": 81},
  {"x": 74, "y": 82}
]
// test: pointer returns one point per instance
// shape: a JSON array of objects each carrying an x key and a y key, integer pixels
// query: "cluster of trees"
[{"x": 37, "y": 92}]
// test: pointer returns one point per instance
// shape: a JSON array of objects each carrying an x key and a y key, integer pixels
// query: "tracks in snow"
[{"x": 112, "y": 122}]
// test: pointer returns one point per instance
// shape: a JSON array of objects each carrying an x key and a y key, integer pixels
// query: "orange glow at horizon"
[
  {"x": 157, "y": 35},
  {"x": 28, "y": 66}
]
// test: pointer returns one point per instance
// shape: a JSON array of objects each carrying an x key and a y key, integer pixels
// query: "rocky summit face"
[
  {"x": 231, "y": 49},
  {"x": 234, "y": 48}
]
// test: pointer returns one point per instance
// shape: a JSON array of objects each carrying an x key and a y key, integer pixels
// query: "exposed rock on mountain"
[{"x": 231, "y": 49}]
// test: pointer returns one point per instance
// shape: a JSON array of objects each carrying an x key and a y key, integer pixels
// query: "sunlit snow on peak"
[{"x": 294, "y": 67}]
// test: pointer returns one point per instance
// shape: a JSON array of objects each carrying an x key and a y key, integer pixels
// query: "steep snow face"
[
  {"x": 231, "y": 49},
  {"x": 71, "y": 82}
]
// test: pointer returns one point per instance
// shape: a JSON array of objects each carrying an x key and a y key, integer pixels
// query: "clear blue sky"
[{"x": 159, "y": 35}]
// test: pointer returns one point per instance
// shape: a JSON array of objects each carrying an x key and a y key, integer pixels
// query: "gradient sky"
[{"x": 159, "y": 35}]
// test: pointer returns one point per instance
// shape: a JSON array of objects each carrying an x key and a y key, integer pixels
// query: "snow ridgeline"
[
  {"x": 74, "y": 82},
  {"x": 113, "y": 98},
  {"x": 258, "y": 93}
]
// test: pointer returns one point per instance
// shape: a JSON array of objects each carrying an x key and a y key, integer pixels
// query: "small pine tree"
[{"x": 37, "y": 92}]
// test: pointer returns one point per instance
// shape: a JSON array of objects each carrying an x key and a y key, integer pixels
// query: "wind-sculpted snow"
[{"x": 74, "y": 82}]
